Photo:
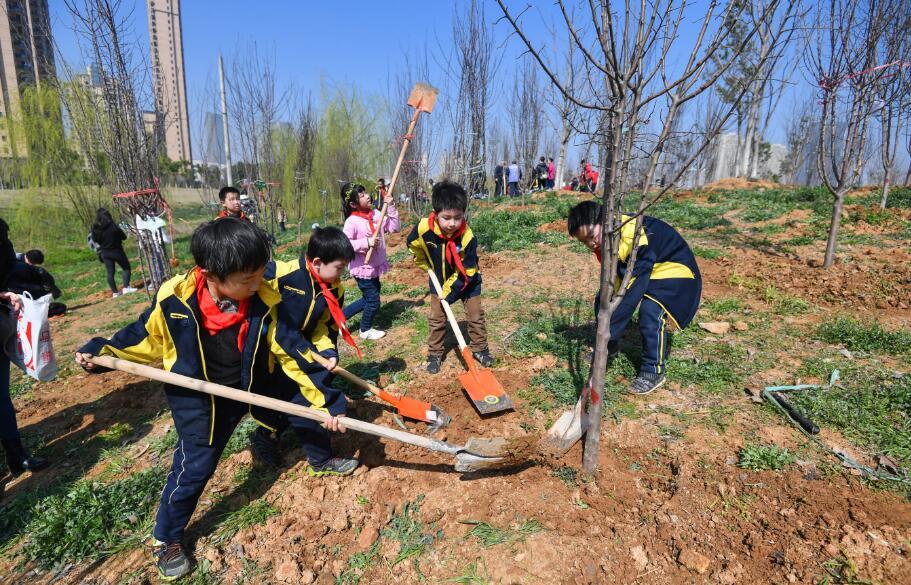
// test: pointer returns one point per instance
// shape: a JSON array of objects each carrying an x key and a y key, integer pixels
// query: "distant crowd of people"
[{"x": 508, "y": 178}]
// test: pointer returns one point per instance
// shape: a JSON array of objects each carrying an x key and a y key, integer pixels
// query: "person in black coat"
[
  {"x": 499, "y": 179},
  {"x": 109, "y": 238},
  {"x": 29, "y": 276}
]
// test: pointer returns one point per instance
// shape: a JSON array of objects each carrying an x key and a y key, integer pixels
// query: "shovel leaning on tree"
[
  {"x": 404, "y": 405},
  {"x": 484, "y": 390},
  {"x": 475, "y": 455},
  {"x": 423, "y": 98}
]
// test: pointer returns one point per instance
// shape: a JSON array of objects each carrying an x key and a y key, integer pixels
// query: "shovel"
[
  {"x": 475, "y": 455},
  {"x": 484, "y": 390},
  {"x": 423, "y": 98},
  {"x": 568, "y": 429},
  {"x": 404, "y": 405}
]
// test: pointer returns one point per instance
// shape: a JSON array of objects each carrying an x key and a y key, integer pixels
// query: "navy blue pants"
[
  {"x": 653, "y": 324},
  {"x": 9, "y": 430},
  {"x": 193, "y": 465},
  {"x": 369, "y": 302},
  {"x": 313, "y": 437}
]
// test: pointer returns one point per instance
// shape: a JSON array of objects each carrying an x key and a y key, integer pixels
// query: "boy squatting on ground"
[
  {"x": 665, "y": 285},
  {"x": 445, "y": 243},
  {"x": 310, "y": 319},
  {"x": 230, "y": 203},
  {"x": 217, "y": 322}
]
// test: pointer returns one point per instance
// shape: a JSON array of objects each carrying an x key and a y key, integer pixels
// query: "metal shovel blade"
[
  {"x": 567, "y": 431},
  {"x": 423, "y": 97},
  {"x": 485, "y": 391},
  {"x": 478, "y": 454}
]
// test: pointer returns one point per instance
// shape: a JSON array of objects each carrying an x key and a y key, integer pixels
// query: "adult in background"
[
  {"x": 109, "y": 238},
  {"x": 29, "y": 276},
  {"x": 551, "y": 173},
  {"x": 515, "y": 175},
  {"x": 541, "y": 174},
  {"x": 499, "y": 179}
]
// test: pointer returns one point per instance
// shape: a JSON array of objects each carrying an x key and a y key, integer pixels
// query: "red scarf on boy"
[
  {"x": 368, "y": 215},
  {"x": 452, "y": 251},
  {"x": 213, "y": 319},
  {"x": 334, "y": 309}
]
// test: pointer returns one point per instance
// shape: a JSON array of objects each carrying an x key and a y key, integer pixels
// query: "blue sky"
[{"x": 357, "y": 41}]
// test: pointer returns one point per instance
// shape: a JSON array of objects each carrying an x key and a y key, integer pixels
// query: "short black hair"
[
  {"x": 329, "y": 244},
  {"x": 35, "y": 256},
  {"x": 228, "y": 246},
  {"x": 448, "y": 195},
  {"x": 542, "y": 159},
  {"x": 587, "y": 213},
  {"x": 223, "y": 193}
]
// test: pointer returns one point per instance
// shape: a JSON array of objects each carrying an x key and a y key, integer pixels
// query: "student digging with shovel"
[{"x": 665, "y": 285}]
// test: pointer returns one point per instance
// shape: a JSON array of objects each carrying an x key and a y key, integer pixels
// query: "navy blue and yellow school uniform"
[
  {"x": 428, "y": 247},
  {"x": 170, "y": 330},
  {"x": 303, "y": 326},
  {"x": 665, "y": 285}
]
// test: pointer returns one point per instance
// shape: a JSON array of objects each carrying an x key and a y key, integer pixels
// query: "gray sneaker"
[
  {"x": 335, "y": 466},
  {"x": 645, "y": 383},
  {"x": 172, "y": 562}
]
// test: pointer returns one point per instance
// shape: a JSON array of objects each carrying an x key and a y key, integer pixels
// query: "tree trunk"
[
  {"x": 886, "y": 185},
  {"x": 561, "y": 158},
  {"x": 833, "y": 229},
  {"x": 908, "y": 176}
]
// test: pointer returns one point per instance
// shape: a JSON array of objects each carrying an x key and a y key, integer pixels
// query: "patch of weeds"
[
  {"x": 164, "y": 444},
  {"x": 670, "y": 432},
  {"x": 397, "y": 257},
  {"x": 421, "y": 291},
  {"x": 858, "y": 336},
  {"x": 708, "y": 253},
  {"x": 392, "y": 288},
  {"x": 20, "y": 385},
  {"x": 240, "y": 439},
  {"x": 508, "y": 230},
  {"x": 408, "y": 530},
  {"x": 92, "y": 520},
  {"x": 739, "y": 504},
  {"x": 688, "y": 215},
  {"x": 359, "y": 563},
  {"x": 758, "y": 457},
  {"x": 489, "y": 536},
  {"x": 472, "y": 575},
  {"x": 202, "y": 575},
  {"x": 253, "y": 514},
  {"x": 872, "y": 408},
  {"x": 799, "y": 241},
  {"x": 712, "y": 375},
  {"x": 118, "y": 462},
  {"x": 841, "y": 570},
  {"x": 784, "y": 304},
  {"x": 568, "y": 475},
  {"x": 723, "y": 305},
  {"x": 252, "y": 572},
  {"x": 560, "y": 386},
  {"x": 116, "y": 433}
]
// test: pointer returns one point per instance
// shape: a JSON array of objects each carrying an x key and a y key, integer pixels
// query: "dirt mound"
[{"x": 738, "y": 184}]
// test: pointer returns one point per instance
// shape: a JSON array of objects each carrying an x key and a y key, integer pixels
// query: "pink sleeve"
[
  {"x": 350, "y": 229},
  {"x": 392, "y": 224}
]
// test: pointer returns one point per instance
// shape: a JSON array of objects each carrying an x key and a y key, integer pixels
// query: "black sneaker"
[
  {"x": 433, "y": 364},
  {"x": 484, "y": 358},
  {"x": 645, "y": 383},
  {"x": 335, "y": 466},
  {"x": 264, "y": 447},
  {"x": 172, "y": 562},
  {"x": 18, "y": 459}
]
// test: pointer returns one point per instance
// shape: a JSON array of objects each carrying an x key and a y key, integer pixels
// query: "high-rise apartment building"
[
  {"x": 26, "y": 58},
  {"x": 166, "y": 43}
]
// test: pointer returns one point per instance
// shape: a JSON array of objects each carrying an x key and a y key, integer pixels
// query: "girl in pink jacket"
[{"x": 361, "y": 221}]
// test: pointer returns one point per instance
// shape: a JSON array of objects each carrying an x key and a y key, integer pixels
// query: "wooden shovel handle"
[
  {"x": 271, "y": 403},
  {"x": 395, "y": 175},
  {"x": 339, "y": 370},
  {"x": 449, "y": 315}
]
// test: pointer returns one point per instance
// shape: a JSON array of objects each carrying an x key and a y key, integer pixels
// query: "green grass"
[
  {"x": 508, "y": 230},
  {"x": 707, "y": 253},
  {"x": 868, "y": 337},
  {"x": 412, "y": 535},
  {"x": 471, "y": 575},
  {"x": 723, "y": 305},
  {"x": 488, "y": 535},
  {"x": 688, "y": 215},
  {"x": 164, "y": 444},
  {"x": 568, "y": 475},
  {"x": 240, "y": 439},
  {"x": 757, "y": 457},
  {"x": 92, "y": 520},
  {"x": 253, "y": 514}
]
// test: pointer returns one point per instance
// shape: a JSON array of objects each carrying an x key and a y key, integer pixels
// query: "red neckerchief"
[
  {"x": 334, "y": 309},
  {"x": 213, "y": 319},
  {"x": 368, "y": 215},
  {"x": 452, "y": 251},
  {"x": 597, "y": 255},
  {"x": 224, "y": 213}
]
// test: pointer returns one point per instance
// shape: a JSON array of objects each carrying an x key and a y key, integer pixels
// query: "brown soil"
[
  {"x": 736, "y": 184},
  {"x": 662, "y": 510}
]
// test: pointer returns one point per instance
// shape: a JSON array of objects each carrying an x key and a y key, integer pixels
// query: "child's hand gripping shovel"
[
  {"x": 475, "y": 455},
  {"x": 485, "y": 391},
  {"x": 423, "y": 98},
  {"x": 404, "y": 405}
]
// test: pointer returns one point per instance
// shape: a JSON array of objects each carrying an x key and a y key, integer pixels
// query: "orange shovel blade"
[
  {"x": 415, "y": 409},
  {"x": 483, "y": 388}
]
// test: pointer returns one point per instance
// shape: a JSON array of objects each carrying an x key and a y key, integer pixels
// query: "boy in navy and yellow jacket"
[
  {"x": 665, "y": 285},
  {"x": 308, "y": 321},
  {"x": 445, "y": 243}
]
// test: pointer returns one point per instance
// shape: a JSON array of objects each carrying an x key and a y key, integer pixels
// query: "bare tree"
[
  {"x": 843, "y": 59},
  {"x": 893, "y": 91},
  {"x": 798, "y": 138},
  {"x": 629, "y": 48},
  {"x": 526, "y": 116}
]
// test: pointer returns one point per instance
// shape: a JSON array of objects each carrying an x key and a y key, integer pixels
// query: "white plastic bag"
[{"x": 34, "y": 348}]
